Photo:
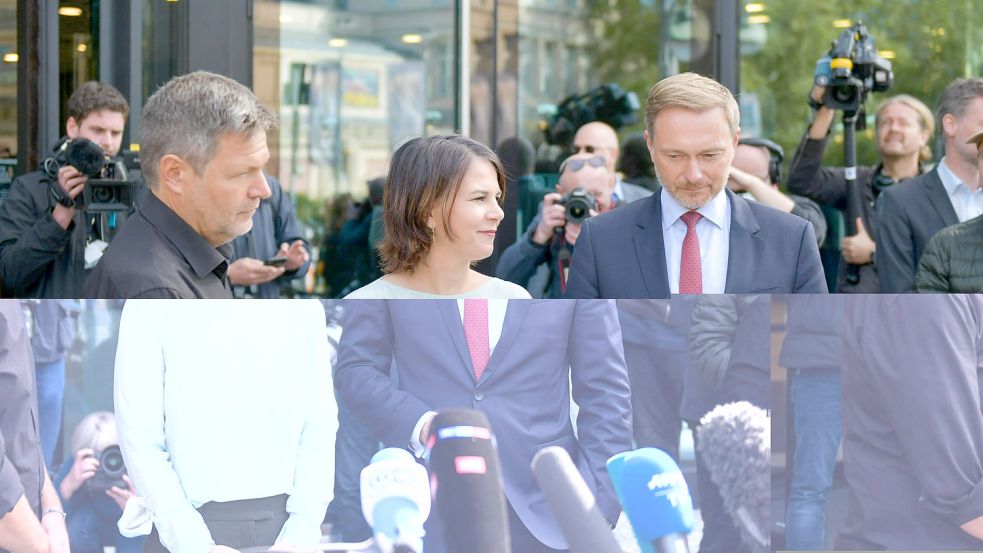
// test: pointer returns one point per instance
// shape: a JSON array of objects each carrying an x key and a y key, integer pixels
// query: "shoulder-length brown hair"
[{"x": 425, "y": 172}]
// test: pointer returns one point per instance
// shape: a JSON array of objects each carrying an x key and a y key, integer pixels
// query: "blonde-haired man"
[{"x": 695, "y": 236}]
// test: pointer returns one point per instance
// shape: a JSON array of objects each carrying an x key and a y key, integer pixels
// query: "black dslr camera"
[
  {"x": 110, "y": 473},
  {"x": 578, "y": 203},
  {"x": 108, "y": 190},
  {"x": 855, "y": 70}
]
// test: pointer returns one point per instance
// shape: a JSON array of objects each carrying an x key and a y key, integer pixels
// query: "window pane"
[
  {"x": 350, "y": 81},
  {"x": 8, "y": 92}
]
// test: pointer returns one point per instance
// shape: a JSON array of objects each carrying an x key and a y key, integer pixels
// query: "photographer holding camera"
[
  {"x": 94, "y": 487},
  {"x": 583, "y": 191},
  {"x": 43, "y": 236},
  {"x": 904, "y": 127}
]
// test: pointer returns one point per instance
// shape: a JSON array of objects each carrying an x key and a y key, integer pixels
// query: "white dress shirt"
[
  {"x": 496, "y": 320},
  {"x": 713, "y": 232},
  {"x": 967, "y": 203},
  {"x": 222, "y": 400}
]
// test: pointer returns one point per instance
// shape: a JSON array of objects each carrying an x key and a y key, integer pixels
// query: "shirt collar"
[
  {"x": 619, "y": 191},
  {"x": 202, "y": 257},
  {"x": 714, "y": 210},
  {"x": 949, "y": 179}
]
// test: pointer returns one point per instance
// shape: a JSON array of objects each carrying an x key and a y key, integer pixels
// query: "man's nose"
[{"x": 260, "y": 188}]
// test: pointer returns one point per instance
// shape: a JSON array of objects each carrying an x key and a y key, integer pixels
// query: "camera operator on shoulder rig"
[
  {"x": 904, "y": 126},
  {"x": 44, "y": 235},
  {"x": 584, "y": 190}
]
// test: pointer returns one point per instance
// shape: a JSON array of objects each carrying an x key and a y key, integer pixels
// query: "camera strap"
[{"x": 563, "y": 257}]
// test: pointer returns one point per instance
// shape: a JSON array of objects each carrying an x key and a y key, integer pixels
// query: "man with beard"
[{"x": 694, "y": 237}]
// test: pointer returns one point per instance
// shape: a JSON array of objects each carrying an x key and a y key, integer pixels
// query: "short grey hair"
[
  {"x": 187, "y": 116},
  {"x": 957, "y": 96}
]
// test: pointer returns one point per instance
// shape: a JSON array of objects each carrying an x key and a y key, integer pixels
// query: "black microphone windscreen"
[
  {"x": 735, "y": 441},
  {"x": 466, "y": 481},
  {"x": 86, "y": 156},
  {"x": 572, "y": 503}
]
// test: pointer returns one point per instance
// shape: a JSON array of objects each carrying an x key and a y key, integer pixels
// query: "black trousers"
[{"x": 237, "y": 524}]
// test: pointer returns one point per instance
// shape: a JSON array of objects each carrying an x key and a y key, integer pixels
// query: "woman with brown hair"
[{"x": 441, "y": 209}]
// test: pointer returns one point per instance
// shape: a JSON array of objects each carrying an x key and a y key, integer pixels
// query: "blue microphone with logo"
[{"x": 656, "y": 499}]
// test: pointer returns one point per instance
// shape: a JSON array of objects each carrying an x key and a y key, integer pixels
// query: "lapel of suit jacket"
[
  {"x": 514, "y": 315},
  {"x": 455, "y": 328},
  {"x": 745, "y": 246},
  {"x": 650, "y": 249},
  {"x": 939, "y": 198}
]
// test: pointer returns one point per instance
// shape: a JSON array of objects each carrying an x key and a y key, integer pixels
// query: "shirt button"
[{"x": 478, "y": 396}]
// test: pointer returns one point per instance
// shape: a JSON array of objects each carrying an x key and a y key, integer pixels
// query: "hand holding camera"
[
  {"x": 566, "y": 213},
  {"x": 84, "y": 467}
]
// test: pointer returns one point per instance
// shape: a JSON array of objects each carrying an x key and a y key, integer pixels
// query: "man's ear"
[
  {"x": 173, "y": 173},
  {"x": 71, "y": 128},
  {"x": 949, "y": 124},
  {"x": 650, "y": 144}
]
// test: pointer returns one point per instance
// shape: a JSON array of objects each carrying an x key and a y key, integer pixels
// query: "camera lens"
[
  {"x": 577, "y": 212},
  {"x": 102, "y": 194},
  {"x": 844, "y": 95},
  {"x": 111, "y": 460}
]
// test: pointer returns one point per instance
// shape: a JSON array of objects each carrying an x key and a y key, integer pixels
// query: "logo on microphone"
[{"x": 470, "y": 464}]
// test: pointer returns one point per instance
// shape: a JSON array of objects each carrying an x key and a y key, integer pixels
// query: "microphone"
[
  {"x": 466, "y": 482},
  {"x": 735, "y": 441},
  {"x": 572, "y": 503},
  {"x": 395, "y": 500},
  {"x": 655, "y": 497}
]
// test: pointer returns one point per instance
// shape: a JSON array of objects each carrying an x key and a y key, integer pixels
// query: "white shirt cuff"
[{"x": 415, "y": 444}]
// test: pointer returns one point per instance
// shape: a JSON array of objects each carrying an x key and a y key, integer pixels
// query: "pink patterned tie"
[
  {"x": 476, "y": 333},
  {"x": 690, "y": 272}
]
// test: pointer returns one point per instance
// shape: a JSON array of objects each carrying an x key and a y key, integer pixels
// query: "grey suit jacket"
[
  {"x": 909, "y": 214},
  {"x": 912, "y": 427},
  {"x": 770, "y": 252},
  {"x": 545, "y": 347},
  {"x": 633, "y": 192}
]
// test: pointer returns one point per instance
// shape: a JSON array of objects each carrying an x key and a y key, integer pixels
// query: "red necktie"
[
  {"x": 476, "y": 334},
  {"x": 690, "y": 272}
]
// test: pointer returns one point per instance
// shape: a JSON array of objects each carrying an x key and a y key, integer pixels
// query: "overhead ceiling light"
[
  {"x": 82, "y": 47},
  {"x": 759, "y": 19},
  {"x": 412, "y": 38},
  {"x": 10, "y": 57},
  {"x": 754, "y": 7},
  {"x": 842, "y": 23},
  {"x": 887, "y": 54},
  {"x": 70, "y": 12},
  {"x": 338, "y": 42}
]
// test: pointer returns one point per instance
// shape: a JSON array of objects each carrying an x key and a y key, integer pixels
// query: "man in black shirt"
[
  {"x": 202, "y": 153},
  {"x": 42, "y": 241}
]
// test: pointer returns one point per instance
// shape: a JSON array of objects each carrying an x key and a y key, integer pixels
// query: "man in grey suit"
[
  {"x": 694, "y": 236},
  {"x": 912, "y": 427},
  {"x": 911, "y": 212},
  {"x": 536, "y": 351}
]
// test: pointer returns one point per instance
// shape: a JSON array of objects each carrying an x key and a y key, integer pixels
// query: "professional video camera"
[
  {"x": 579, "y": 204},
  {"x": 110, "y": 472},
  {"x": 608, "y": 103},
  {"x": 109, "y": 189},
  {"x": 855, "y": 70}
]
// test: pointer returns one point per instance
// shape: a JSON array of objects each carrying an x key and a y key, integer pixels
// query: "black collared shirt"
[
  {"x": 21, "y": 463},
  {"x": 157, "y": 255}
]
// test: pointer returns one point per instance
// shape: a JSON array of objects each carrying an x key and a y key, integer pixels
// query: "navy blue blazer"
[
  {"x": 620, "y": 254},
  {"x": 546, "y": 347}
]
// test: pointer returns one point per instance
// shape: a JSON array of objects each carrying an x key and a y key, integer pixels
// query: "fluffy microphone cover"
[{"x": 735, "y": 441}]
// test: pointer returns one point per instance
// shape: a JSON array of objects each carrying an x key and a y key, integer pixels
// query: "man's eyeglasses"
[{"x": 578, "y": 163}]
